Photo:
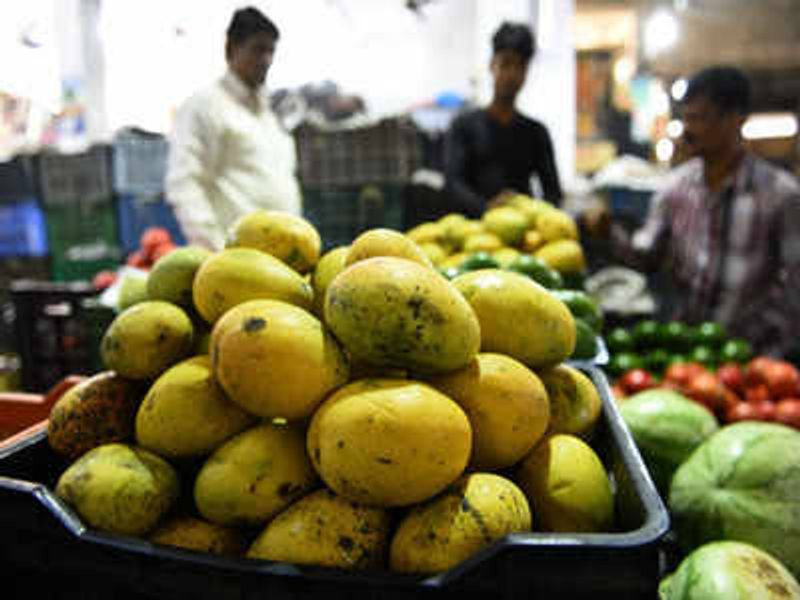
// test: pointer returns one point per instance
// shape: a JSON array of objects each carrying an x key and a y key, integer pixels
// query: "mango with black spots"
[
  {"x": 289, "y": 238},
  {"x": 97, "y": 411},
  {"x": 254, "y": 475},
  {"x": 393, "y": 312},
  {"x": 119, "y": 488},
  {"x": 276, "y": 360},
  {"x": 469, "y": 515},
  {"x": 389, "y": 442},
  {"x": 146, "y": 339},
  {"x": 575, "y": 404},
  {"x": 327, "y": 530},
  {"x": 185, "y": 412},
  {"x": 237, "y": 275},
  {"x": 518, "y": 317}
]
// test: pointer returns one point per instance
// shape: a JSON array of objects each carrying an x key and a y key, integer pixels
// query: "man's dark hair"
[
  {"x": 726, "y": 87},
  {"x": 250, "y": 21},
  {"x": 517, "y": 37}
]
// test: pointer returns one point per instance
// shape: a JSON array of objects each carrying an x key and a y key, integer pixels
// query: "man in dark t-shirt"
[{"x": 493, "y": 152}]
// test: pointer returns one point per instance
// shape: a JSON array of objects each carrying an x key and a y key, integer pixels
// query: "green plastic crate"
[
  {"x": 341, "y": 213},
  {"x": 82, "y": 239}
]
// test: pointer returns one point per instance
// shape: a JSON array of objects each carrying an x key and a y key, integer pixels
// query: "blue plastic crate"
[
  {"x": 136, "y": 213},
  {"x": 23, "y": 231}
]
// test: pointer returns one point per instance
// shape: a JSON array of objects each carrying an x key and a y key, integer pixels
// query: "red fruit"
[
  {"x": 682, "y": 373},
  {"x": 742, "y": 412},
  {"x": 787, "y": 411},
  {"x": 138, "y": 259},
  {"x": 756, "y": 370},
  {"x": 782, "y": 379},
  {"x": 671, "y": 385},
  {"x": 706, "y": 389},
  {"x": 732, "y": 376},
  {"x": 765, "y": 410},
  {"x": 731, "y": 399},
  {"x": 756, "y": 394},
  {"x": 636, "y": 380},
  {"x": 152, "y": 237},
  {"x": 162, "y": 249},
  {"x": 103, "y": 279}
]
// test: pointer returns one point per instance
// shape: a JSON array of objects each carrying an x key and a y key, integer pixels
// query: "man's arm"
[
  {"x": 193, "y": 149},
  {"x": 790, "y": 249},
  {"x": 643, "y": 249},
  {"x": 455, "y": 167},
  {"x": 548, "y": 172}
]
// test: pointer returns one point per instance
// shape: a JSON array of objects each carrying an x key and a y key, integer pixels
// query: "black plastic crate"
[
  {"x": 52, "y": 336},
  {"x": 42, "y": 535},
  {"x": 341, "y": 213},
  {"x": 387, "y": 152},
  {"x": 16, "y": 179}
]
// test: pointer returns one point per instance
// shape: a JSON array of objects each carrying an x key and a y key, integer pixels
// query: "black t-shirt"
[{"x": 484, "y": 157}]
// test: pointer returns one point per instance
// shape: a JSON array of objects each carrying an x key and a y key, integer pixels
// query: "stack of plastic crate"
[
  {"x": 355, "y": 179},
  {"x": 139, "y": 169},
  {"x": 23, "y": 237},
  {"x": 79, "y": 205},
  {"x": 53, "y": 336}
]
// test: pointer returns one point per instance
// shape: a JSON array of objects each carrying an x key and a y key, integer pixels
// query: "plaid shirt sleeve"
[{"x": 790, "y": 243}]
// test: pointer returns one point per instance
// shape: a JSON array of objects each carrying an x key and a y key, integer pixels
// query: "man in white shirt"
[{"x": 229, "y": 154}]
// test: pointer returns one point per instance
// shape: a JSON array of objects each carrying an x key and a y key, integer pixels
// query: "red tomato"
[
  {"x": 138, "y": 259},
  {"x": 162, "y": 249},
  {"x": 757, "y": 393},
  {"x": 787, "y": 411},
  {"x": 782, "y": 379},
  {"x": 743, "y": 411},
  {"x": 731, "y": 399},
  {"x": 682, "y": 373},
  {"x": 765, "y": 410},
  {"x": 732, "y": 376},
  {"x": 706, "y": 389},
  {"x": 756, "y": 369},
  {"x": 152, "y": 237},
  {"x": 636, "y": 380},
  {"x": 103, "y": 279}
]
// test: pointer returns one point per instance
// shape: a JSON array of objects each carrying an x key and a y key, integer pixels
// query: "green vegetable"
[
  {"x": 729, "y": 571},
  {"x": 742, "y": 483},
  {"x": 656, "y": 360},
  {"x": 585, "y": 340},
  {"x": 624, "y": 361},
  {"x": 645, "y": 334},
  {"x": 735, "y": 350},
  {"x": 666, "y": 427},
  {"x": 709, "y": 333},
  {"x": 619, "y": 340},
  {"x": 582, "y": 306},
  {"x": 536, "y": 269},
  {"x": 479, "y": 260},
  {"x": 705, "y": 355},
  {"x": 674, "y": 335},
  {"x": 574, "y": 281}
]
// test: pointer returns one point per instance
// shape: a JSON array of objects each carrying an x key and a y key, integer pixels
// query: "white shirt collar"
[{"x": 255, "y": 100}]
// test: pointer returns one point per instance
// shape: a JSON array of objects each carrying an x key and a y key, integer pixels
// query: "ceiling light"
[
  {"x": 678, "y": 89},
  {"x": 770, "y": 125},
  {"x": 660, "y": 32}
]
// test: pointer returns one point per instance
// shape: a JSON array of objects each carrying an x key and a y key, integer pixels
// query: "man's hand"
[{"x": 597, "y": 221}]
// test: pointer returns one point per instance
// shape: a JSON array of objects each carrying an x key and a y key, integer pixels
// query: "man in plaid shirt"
[{"x": 727, "y": 222}]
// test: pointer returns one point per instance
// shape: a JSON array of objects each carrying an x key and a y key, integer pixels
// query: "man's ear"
[{"x": 228, "y": 49}]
